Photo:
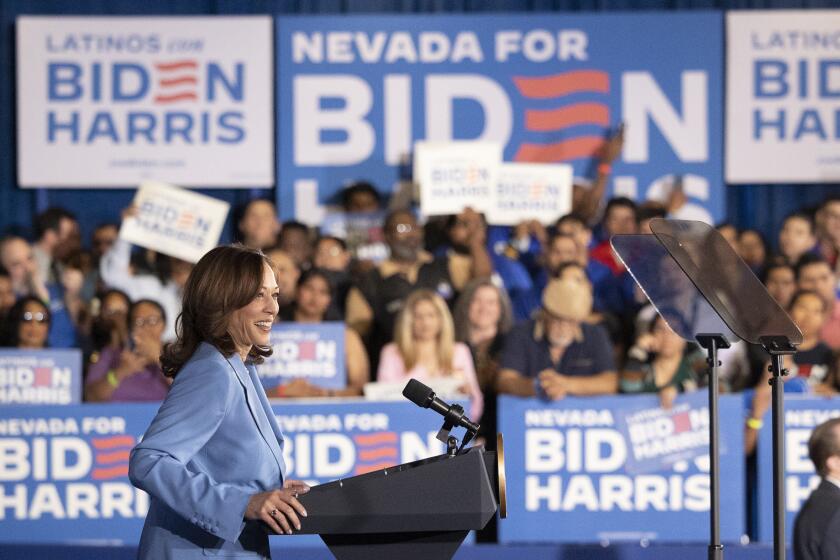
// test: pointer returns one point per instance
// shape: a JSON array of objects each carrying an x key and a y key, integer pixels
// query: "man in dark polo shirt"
[
  {"x": 816, "y": 533},
  {"x": 557, "y": 354}
]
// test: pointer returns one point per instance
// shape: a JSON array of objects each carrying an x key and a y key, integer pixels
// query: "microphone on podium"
[{"x": 423, "y": 396}]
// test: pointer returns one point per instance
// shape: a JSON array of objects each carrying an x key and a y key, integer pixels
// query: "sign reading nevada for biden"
[
  {"x": 111, "y": 101},
  {"x": 783, "y": 96},
  {"x": 314, "y": 352},
  {"x": 64, "y": 471},
  {"x": 569, "y": 471},
  {"x": 355, "y": 93},
  {"x": 40, "y": 376},
  {"x": 802, "y": 415}
]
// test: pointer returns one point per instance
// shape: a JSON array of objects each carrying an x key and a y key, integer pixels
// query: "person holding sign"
[
  {"x": 212, "y": 459},
  {"x": 424, "y": 348},
  {"x": 312, "y": 303}
]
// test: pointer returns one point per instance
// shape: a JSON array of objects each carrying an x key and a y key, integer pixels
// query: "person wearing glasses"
[
  {"x": 133, "y": 373},
  {"x": 28, "y": 324}
]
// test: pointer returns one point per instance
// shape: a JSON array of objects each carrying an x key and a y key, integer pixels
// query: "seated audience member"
[
  {"x": 57, "y": 237},
  {"x": 620, "y": 217},
  {"x": 467, "y": 236},
  {"x": 752, "y": 249},
  {"x": 424, "y": 348},
  {"x": 295, "y": 241},
  {"x": 311, "y": 305},
  {"x": 16, "y": 258},
  {"x": 109, "y": 328},
  {"x": 662, "y": 362},
  {"x": 558, "y": 353},
  {"x": 164, "y": 285},
  {"x": 27, "y": 325},
  {"x": 828, "y": 230},
  {"x": 814, "y": 273},
  {"x": 482, "y": 318},
  {"x": 360, "y": 197},
  {"x": 729, "y": 233},
  {"x": 287, "y": 273},
  {"x": 797, "y": 236},
  {"x": 816, "y": 531},
  {"x": 333, "y": 258},
  {"x": 7, "y": 293},
  {"x": 132, "y": 374},
  {"x": 648, "y": 212},
  {"x": 373, "y": 304},
  {"x": 780, "y": 281},
  {"x": 811, "y": 369},
  {"x": 259, "y": 226},
  {"x": 102, "y": 239}
]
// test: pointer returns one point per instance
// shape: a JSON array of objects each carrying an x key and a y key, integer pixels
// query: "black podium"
[{"x": 416, "y": 510}]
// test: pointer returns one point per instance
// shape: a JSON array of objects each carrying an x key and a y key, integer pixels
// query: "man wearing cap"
[
  {"x": 816, "y": 533},
  {"x": 557, "y": 353}
]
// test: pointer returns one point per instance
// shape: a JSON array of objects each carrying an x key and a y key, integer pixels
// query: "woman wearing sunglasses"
[
  {"x": 133, "y": 373},
  {"x": 28, "y": 324}
]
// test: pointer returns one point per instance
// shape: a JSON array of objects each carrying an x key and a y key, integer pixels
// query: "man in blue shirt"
[{"x": 557, "y": 354}]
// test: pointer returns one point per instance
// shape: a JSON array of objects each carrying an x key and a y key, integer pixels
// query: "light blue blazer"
[{"x": 213, "y": 444}]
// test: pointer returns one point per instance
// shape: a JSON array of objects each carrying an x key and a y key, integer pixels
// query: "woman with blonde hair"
[{"x": 424, "y": 348}]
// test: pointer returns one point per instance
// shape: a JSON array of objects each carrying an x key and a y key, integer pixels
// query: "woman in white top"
[{"x": 424, "y": 348}]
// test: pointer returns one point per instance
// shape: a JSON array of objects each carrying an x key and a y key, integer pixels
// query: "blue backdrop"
[{"x": 759, "y": 205}]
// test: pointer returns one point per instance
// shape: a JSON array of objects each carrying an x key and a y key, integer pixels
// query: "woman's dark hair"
[
  {"x": 12, "y": 335},
  {"x": 330, "y": 314},
  {"x": 100, "y": 329},
  {"x": 133, "y": 309},
  {"x": 799, "y": 294},
  {"x": 227, "y": 278}
]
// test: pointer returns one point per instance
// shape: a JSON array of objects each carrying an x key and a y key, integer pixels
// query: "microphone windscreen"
[{"x": 419, "y": 394}]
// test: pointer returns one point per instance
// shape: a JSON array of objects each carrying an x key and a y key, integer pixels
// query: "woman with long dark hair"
[
  {"x": 212, "y": 459},
  {"x": 27, "y": 324}
]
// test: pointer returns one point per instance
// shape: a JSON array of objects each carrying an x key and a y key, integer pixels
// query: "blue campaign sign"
[
  {"x": 40, "y": 376},
  {"x": 568, "y": 478},
  {"x": 64, "y": 470},
  {"x": 802, "y": 415},
  {"x": 355, "y": 93},
  {"x": 311, "y": 351}
]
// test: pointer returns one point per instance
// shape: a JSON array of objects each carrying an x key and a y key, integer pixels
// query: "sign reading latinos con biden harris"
[
  {"x": 802, "y": 415},
  {"x": 783, "y": 96},
  {"x": 355, "y": 93},
  {"x": 310, "y": 351},
  {"x": 64, "y": 471},
  {"x": 618, "y": 468},
  {"x": 112, "y": 101}
]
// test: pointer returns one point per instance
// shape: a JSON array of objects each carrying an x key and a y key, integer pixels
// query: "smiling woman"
[{"x": 212, "y": 459}]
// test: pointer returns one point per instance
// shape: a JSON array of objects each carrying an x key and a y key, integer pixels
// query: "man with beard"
[
  {"x": 58, "y": 236},
  {"x": 372, "y": 305},
  {"x": 558, "y": 354}
]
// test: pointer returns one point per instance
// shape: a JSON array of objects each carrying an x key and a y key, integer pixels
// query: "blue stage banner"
[
  {"x": 802, "y": 415},
  {"x": 355, "y": 92},
  {"x": 64, "y": 470},
  {"x": 311, "y": 351},
  {"x": 40, "y": 376},
  {"x": 568, "y": 470}
]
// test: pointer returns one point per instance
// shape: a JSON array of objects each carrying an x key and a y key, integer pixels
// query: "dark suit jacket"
[{"x": 816, "y": 533}]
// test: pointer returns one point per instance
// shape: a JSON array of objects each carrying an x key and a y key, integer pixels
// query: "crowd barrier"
[{"x": 595, "y": 470}]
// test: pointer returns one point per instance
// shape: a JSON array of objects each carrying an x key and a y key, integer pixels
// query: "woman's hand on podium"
[{"x": 279, "y": 509}]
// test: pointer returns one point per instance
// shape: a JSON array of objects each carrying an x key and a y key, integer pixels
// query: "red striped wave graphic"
[
  {"x": 576, "y": 81},
  {"x": 111, "y": 457},
  {"x": 178, "y": 81},
  {"x": 375, "y": 451},
  {"x": 553, "y": 123}
]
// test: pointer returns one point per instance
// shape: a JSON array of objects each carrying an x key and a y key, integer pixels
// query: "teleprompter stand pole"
[
  {"x": 778, "y": 347},
  {"x": 713, "y": 342}
]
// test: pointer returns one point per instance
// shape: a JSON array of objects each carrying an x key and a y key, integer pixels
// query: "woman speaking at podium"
[{"x": 212, "y": 459}]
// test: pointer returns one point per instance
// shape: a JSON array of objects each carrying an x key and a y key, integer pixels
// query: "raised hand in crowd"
[{"x": 587, "y": 202}]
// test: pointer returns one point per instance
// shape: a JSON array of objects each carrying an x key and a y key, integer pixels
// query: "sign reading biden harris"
[
  {"x": 783, "y": 96},
  {"x": 112, "y": 101},
  {"x": 355, "y": 93},
  {"x": 617, "y": 468},
  {"x": 40, "y": 376}
]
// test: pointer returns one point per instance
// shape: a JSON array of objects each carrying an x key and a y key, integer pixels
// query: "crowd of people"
[{"x": 542, "y": 310}]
